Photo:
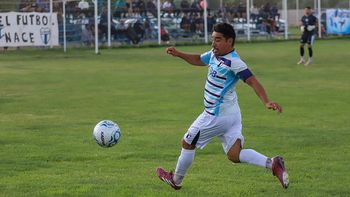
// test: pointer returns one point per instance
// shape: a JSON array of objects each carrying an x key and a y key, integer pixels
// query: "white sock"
[
  {"x": 184, "y": 162},
  {"x": 252, "y": 157}
]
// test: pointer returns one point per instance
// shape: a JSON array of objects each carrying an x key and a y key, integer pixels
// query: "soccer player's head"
[
  {"x": 223, "y": 38},
  {"x": 307, "y": 10}
]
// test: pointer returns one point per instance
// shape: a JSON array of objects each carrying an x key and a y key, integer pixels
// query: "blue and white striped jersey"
[{"x": 220, "y": 93}]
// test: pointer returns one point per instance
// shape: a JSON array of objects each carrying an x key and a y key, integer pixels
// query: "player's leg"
[
  {"x": 184, "y": 162},
  {"x": 303, "y": 40},
  {"x": 238, "y": 155},
  {"x": 310, "y": 43},
  {"x": 186, "y": 157}
]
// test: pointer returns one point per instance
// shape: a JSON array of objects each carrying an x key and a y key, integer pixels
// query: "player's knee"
[
  {"x": 234, "y": 158},
  {"x": 187, "y": 146}
]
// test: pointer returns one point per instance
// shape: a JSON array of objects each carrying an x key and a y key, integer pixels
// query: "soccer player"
[
  {"x": 308, "y": 25},
  {"x": 222, "y": 117}
]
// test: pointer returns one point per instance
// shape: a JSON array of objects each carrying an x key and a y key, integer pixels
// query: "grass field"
[{"x": 50, "y": 102}]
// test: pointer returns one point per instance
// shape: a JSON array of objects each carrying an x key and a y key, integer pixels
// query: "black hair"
[
  {"x": 227, "y": 31},
  {"x": 308, "y": 7}
]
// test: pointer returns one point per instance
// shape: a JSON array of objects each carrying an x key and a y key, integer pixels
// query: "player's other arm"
[
  {"x": 193, "y": 59},
  {"x": 253, "y": 82}
]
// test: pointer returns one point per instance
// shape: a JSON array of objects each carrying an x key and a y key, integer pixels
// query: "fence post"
[
  {"x": 159, "y": 22},
  {"x": 64, "y": 26},
  {"x": 205, "y": 21},
  {"x": 319, "y": 19},
  {"x": 109, "y": 23},
  {"x": 285, "y": 11},
  {"x": 96, "y": 27},
  {"x": 297, "y": 8},
  {"x": 51, "y": 11},
  {"x": 248, "y": 20}
]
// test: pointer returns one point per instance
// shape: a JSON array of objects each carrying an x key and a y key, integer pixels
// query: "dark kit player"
[{"x": 308, "y": 26}]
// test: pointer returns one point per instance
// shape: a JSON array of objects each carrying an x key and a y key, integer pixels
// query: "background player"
[
  {"x": 308, "y": 26},
  {"x": 222, "y": 117}
]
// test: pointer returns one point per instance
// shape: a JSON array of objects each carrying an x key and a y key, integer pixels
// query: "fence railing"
[{"x": 164, "y": 22}]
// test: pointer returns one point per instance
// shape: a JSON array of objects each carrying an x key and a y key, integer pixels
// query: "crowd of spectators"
[{"x": 188, "y": 15}]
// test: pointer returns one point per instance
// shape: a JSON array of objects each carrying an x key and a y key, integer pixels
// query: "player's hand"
[
  {"x": 274, "y": 106},
  {"x": 172, "y": 51}
]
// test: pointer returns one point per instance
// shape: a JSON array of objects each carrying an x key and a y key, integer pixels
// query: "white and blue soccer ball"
[{"x": 106, "y": 133}]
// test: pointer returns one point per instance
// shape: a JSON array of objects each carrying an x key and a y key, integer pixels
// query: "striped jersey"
[{"x": 223, "y": 73}]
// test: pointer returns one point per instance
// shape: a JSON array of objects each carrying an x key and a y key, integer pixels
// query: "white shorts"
[{"x": 206, "y": 127}]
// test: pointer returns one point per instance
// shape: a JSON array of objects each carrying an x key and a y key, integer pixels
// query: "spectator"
[
  {"x": 254, "y": 12},
  {"x": 151, "y": 7},
  {"x": 211, "y": 22},
  {"x": 164, "y": 34},
  {"x": 185, "y": 23},
  {"x": 185, "y": 6},
  {"x": 120, "y": 8},
  {"x": 199, "y": 23},
  {"x": 274, "y": 12},
  {"x": 168, "y": 7},
  {"x": 148, "y": 29},
  {"x": 195, "y": 7},
  {"x": 142, "y": 7}
]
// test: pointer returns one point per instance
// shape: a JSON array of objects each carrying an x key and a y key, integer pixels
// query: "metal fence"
[{"x": 87, "y": 23}]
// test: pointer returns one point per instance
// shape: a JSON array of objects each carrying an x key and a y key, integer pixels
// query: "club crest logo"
[
  {"x": 45, "y": 34},
  {"x": 2, "y": 34}
]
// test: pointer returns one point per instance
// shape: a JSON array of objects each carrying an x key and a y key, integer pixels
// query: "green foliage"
[{"x": 50, "y": 102}]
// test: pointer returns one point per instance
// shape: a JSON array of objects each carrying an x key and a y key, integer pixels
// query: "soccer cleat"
[
  {"x": 302, "y": 61},
  {"x": 279, "y": 171},
  {"x": 167, "y": 177},
  {"x": 308, "y": 62}
]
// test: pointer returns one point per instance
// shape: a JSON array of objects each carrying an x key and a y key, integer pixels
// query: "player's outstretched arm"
[
  {"x": 260, "y": 91},
  {"x": 193, "y": 59}
]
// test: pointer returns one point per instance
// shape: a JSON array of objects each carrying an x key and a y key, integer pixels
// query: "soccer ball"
[{"x": 106, "y": 133}]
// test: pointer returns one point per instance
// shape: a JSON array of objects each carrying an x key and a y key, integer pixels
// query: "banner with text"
[
  {"x": 338, "y": 21},
  {"x": 28, "y": 29}
]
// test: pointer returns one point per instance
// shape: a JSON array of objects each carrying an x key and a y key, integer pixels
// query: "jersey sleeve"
[
  {"x": 238, "y": 65},
  {"x": 205, "y": 57},
  {"x": 241, "y": 69}
]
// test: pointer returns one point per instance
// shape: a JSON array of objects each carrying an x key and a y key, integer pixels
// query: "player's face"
[
  {"x": 220, "y": 44},
  {"x": 307, "y": 11}
]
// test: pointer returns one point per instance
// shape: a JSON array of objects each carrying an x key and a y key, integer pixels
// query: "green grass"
[{"x": 50, "y": 102}]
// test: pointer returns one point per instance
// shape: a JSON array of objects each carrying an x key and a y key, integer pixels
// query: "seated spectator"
[
  {"x": 211, "y": 22},
  {"x": 151, "y": 7},
  {"x": 185, "y": 23},
  {"x": 185, "y": 6},
  {"x": 120, "y": 8},
  {"x": 274, "y": 12},
  {"x": 168, "y": 7},
  {"x": 254, "y": 12},
  {"x": 142, "y": 7},
  {"x": 195, "y": 7},
  {"x": 199, "y": 23},
  {"x": 164, "y": 34}
]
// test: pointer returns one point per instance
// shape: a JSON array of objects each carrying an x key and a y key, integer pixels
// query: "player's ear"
[{"x": 229, "y": 40}]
